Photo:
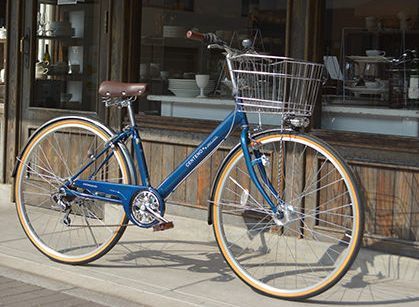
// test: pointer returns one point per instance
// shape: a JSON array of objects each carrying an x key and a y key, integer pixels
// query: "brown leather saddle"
[{"x": 113, "y": 89}]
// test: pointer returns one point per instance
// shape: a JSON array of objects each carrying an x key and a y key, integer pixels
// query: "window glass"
[
  {"x": 371, "y": 89},
  {"x": 167, "y": 57},
  {"x": 66, "y": 65}
]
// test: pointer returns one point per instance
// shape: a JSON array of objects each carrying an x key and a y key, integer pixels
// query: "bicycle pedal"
[{"x": 163, "y": 226}]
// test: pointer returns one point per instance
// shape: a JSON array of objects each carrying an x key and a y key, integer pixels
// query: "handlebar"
[
  {"x": 196, "y": 36},
  {"x": 207, "y": 38},
  {"x": 406, "y": 57},
  {"x": 212, "y": 40}
]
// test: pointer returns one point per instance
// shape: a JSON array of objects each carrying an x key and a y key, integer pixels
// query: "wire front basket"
[{"x": 268, "y": 84}]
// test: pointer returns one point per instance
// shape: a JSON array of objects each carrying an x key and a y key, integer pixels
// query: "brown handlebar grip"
[{"x": 196, "y": 36}]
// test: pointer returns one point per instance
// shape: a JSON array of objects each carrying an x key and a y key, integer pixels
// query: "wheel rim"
[
  {"x": 51, "y": 157},
  {"x": 318, "y": 237}
]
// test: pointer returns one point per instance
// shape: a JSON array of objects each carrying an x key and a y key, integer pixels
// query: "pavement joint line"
[
  {"x": 215, "y": 301},
  {"x": 88, "y": 269},
  {"x": 168, "y": 290},
  {"x": 11, "y": 259},
  {"x": 115, "y": 276},
  {"x": 129, "y": 279},
  {"x": 23, "y": 276},
  {"x": 43, "y": 286}
]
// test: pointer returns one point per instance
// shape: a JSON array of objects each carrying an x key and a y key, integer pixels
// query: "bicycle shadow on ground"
[
  {"x": 200, "y": 257},
  {"x": 362, "y": 285},
  {"x": 371, "y": 281}
]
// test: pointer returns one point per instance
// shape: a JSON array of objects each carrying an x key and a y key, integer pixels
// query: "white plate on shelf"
[
  {"x": 184, "y": 92},
  {"x": 187, "y": 84},
  {"x": 190, "y": 93},
  {"x": 369, "y": 59},
  {"x": 367, "y": 90}
]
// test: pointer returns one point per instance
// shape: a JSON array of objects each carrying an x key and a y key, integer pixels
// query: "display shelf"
[
  {"x": 64, "y": 77},
  {"x": 73, "y": 41},
  {"x": 55, "y": 2},
  {"x": 72, "y": 48}
]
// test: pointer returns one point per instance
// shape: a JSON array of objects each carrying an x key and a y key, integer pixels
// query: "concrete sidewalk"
[
  {"x": 15, "y": 293},
  {"x": 182, "y": 267}
]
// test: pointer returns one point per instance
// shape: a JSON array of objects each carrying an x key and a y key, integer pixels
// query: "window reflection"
[
  {"x": 362, "y": 40},
  {"x": 167, "y": 57},
  {"x": 65, "y": 71}
]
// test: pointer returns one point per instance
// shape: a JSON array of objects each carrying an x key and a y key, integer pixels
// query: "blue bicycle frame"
[{"x": 123, "y": 193}]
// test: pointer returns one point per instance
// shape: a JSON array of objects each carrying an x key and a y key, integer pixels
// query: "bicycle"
[{"x": 285, "y": 207}]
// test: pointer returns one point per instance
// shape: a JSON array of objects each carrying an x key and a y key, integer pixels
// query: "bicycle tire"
[
  {"x": 241, "y": 218},
  {"x": 54, "y": 153}
]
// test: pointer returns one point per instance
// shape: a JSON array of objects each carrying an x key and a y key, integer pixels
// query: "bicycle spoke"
[
  {"x": 288, "y": 251},
  {"x": 66, "y": 227}
]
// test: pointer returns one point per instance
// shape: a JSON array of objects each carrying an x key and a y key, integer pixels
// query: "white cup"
[
  {"x": 202, "y": 82},
  {"x": 3, "y": 33}
]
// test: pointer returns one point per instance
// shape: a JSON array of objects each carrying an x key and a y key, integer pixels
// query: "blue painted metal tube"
[
  {"x": 204, "y": 150},
  {"x": 115, "y": 192},
  {"x": 114, "y": 140},
  {"x": 244, "y": 140},
  {"x": 101, "y": 165},
  {"x": 139, "y": 154},
  {"x": 261, "y": 168}
]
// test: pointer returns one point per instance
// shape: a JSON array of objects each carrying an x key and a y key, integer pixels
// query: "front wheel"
[{"x": 311, "y": 243}]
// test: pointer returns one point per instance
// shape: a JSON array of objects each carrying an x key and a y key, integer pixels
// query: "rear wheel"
[
  {"x": 309, "y": 246},
  {"x": 69, "y": 230}
]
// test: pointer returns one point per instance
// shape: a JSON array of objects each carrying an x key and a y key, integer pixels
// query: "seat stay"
[{"x": 123, "y": 135}]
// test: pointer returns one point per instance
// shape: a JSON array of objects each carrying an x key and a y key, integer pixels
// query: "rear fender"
[{"x": 108, "y": 130}]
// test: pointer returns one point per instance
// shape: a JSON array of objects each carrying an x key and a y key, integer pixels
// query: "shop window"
[
  {"x": 66, "y": 59},
  {"x": 371, "y": 53},
  {"x": 170, "y": 62}
]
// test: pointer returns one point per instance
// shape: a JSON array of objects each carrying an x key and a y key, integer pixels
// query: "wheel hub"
[{"x": 285, "y": 215}]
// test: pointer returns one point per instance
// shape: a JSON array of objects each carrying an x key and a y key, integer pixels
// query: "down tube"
[{"x": 201, "y": 152}]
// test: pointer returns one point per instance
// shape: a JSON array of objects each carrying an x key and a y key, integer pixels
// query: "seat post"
[{"x": 131, "y": 114}]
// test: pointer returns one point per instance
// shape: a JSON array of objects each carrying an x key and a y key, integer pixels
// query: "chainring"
[{"x": 139, "y": 208}]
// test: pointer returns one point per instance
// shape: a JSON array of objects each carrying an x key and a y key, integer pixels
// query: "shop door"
[{"x": 64, "y": 60}]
